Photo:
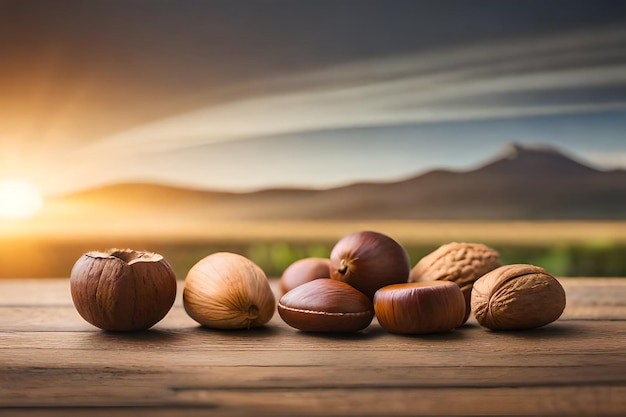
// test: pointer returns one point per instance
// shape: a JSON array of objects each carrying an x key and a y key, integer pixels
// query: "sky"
[{"x": 245, "y": 95}]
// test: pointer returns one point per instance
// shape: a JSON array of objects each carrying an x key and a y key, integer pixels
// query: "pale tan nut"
[
  {"x": 516, "y": 297},
  {"x": 228, "y": 291},
  {"x": 461, "y": 263}
]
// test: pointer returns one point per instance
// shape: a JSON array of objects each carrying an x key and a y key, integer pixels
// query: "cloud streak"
[
  {"x": 438, "y": 87},
  {"x": 565, "y": 74}
]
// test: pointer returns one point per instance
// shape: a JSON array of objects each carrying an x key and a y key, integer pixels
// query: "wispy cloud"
[
  {"x": 449, "y": 85},
  {"x": 501, "y": 80}
]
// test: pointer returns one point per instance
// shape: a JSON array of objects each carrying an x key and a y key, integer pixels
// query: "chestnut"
[
  {"x": 458, "y": 262},
  {"x": 303, "y": 271},
  {"x": 326, "y": 305},
  {"x": 122, "y": 289},
  {"x": 368, "y": 261},
  {"x": 420, "y": 307}
]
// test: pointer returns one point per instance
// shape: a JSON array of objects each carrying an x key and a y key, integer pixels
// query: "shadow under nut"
[{"x": 326, "y": 305}]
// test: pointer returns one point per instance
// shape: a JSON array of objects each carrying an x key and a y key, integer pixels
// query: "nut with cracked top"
[
  {"x": 122, "y": 289},
  {"x": 461, "y": 263},
  {"x": 516, "y": 297}
]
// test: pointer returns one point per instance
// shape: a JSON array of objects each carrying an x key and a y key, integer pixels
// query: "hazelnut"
[
  {"x": 368, "y": 261},
  {"x": 517, "y": 297},
  {"x": 122, "y": 289},
  {"x": 326, "y": 305},
  {"x": 420, "y": 307},
  {"x": 228, "y": 291},
  {"x": 303, "y": 271},
  {"x": 461, "y": 263}
]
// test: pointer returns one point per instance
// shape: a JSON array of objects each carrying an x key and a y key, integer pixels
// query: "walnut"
[
  {"x": 461, "y": 263},
  {"x": 517, "y": 297}
]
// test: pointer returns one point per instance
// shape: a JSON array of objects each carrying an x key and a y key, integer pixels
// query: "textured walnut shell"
[
  {"x": 302, "y": 271},
  {"x": 122, "y": 289},
  {"x": 517, "y": 297},
  {"x": 420, "y": 307},
  {"x": 326, "y": 305},
  {"x": 461, "y": 263}
]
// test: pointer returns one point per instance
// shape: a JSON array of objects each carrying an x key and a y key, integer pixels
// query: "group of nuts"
[
  {"x": 437, "y": 294},
  {"x": 127, "y": 290},
  {"x": 368, "y": 274}
]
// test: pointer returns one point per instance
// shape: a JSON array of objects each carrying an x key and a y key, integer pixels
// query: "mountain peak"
[
  {"x": 517, "y": 150},
  {"x": 524, "y": 182},
  {"x": 536, "y": 160}
]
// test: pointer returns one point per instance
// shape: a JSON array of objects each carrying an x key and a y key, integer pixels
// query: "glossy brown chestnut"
[
  {"x": 368, "y": 261},
  {"x": 326, "y": 305},
  {"x": 420, "y": 307},
  {"x": 122, "y": 289},
  {"x": 303, "y": 271}
]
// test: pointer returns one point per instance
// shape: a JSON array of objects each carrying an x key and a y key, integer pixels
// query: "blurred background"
[{"x": 273, "y": 128}]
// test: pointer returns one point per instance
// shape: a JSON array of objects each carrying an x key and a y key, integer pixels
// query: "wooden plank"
[
  {"x": 578, "y": 335},
  {"x": 45, "y": 305},
  {"x": 39, "y": 292},
  {"x": 65, "y": 318},
  {"x": 54, "y": 291},
  {"x": 152, "y": 357},
  {"x": 248, "y": 377},
  {"x": 54, "y": 363},
  {"x": 535, "y": 401},
  {"x": 570, "y": 336},
  {"x": 572, "y": 401},
  {"x": 148, "y": 377},
  {"x": 579, "y": 351},
  {"x": 589, "y": 298}
]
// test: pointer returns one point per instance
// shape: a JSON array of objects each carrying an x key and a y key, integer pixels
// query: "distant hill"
[{"x": 521, "y": 183}]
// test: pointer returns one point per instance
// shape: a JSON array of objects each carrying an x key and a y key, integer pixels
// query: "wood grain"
[{"x": 54, "y": 363}]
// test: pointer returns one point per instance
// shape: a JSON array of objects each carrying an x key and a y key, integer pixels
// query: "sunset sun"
[{"x": 19, "y": 199}]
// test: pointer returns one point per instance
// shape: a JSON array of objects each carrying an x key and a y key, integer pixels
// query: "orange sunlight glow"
[{"x": 19, "y": 199}]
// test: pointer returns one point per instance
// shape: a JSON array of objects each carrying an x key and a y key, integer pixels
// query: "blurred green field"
[
  {"x": 562, "y": 260},
  {"x": 563, "y": 248}
]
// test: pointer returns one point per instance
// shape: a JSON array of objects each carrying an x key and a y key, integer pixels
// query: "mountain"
[{"x": 520, "y": 183}]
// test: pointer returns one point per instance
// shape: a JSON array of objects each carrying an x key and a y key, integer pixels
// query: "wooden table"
[{"x": 54, "y": 363}]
